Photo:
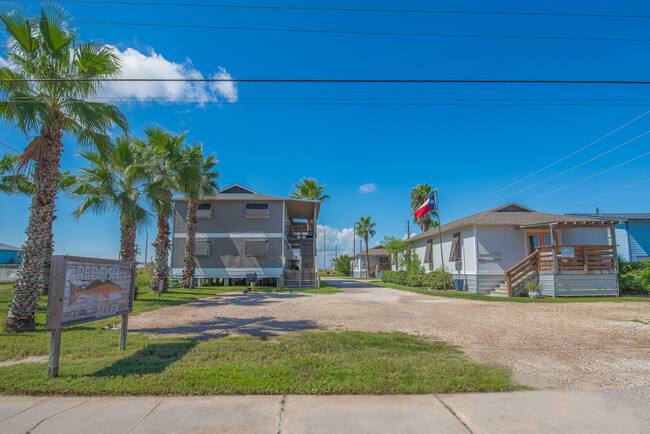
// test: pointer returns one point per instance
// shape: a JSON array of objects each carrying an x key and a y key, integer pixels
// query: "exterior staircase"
[
  {"x": 302, "y": 239},
  {"x": 501, "y": 290}
]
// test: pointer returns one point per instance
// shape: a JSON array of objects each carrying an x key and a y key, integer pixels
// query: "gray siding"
[
  {"x": 584, "y": 236},
  {"x": 547, "y": 283},
  {"x": 229, "y": 253},
  {"x": 230, "y": 217},
  {"x": 499, "y": 248},
  {"x": 639, "y": 239},
  {"x": 623, "y": 242}
]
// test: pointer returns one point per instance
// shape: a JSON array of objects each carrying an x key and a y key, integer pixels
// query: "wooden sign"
[{"x": 84, "y": 290}]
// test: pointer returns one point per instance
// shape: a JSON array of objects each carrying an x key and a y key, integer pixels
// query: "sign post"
[{"x": 84, "y": 290}]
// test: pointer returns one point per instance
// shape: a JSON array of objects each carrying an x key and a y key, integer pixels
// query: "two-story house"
[{"x": 240, "y": 232}]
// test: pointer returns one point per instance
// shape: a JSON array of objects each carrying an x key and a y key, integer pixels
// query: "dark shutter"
[
  {"x": 428, "y": 254},
  {"x": 202, "y": 248},
  {"x": 257, "y": 210},
  {"x": 256, "y": 248},
  {"x": 204, "y": 210},
  {"x": 455, "y": 252}
]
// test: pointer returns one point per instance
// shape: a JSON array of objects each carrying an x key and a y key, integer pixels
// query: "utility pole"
[
  {"x": 324, "y": 265},
  {"x": 442, "y": 259},
  {"x": 408, "y": 235},
  {"x": 146, "y": 244},
  {"x": 336, "y": 250}
]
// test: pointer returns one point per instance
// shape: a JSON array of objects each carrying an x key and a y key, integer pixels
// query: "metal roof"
[
  {"x": 4, "y": 246},
  {"x": 616, "y": 216},
  {"x": 510, "y": 214},
  {"x": 373, "y": 251}
]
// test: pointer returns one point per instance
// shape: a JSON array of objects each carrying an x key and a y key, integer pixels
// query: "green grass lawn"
[
  {"x": 303, "y": 363},
  {"x": 471, "y": 296}
]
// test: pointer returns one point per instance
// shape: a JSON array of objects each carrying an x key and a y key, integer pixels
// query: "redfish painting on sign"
[{"x": 84, "y": 290}]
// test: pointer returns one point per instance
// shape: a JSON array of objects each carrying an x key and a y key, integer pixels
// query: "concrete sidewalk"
[{"x": 594, "y": 411}]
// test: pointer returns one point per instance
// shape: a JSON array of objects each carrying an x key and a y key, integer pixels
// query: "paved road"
[
  {"x": 548, "y": 346},
  {"x": 604, "y": 411}
]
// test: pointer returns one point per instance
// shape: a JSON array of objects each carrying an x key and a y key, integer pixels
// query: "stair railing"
[{"x": 520, "y": 271}]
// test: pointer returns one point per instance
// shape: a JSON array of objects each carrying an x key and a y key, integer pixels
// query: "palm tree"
[
  {"x": 309, "y": 189},
  {"x": 172, "y": 167},
  {"x": 42, "y": 49},
  {"x": 11, "y": 181},
  {"x": 364, "y": 228},
  {"x": 207, "y": 186},
  {"x": 115, "y": 183},
  {"x": 419, "y": 195}
]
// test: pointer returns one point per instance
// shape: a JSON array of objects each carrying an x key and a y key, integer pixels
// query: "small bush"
[
  {"x": 632, "y": 284},
  {"x": 395, "y": 277},
  {"x": 532, "y": 286},
  {"x": 434, "y": 280},
  {"x": 343, "y": 266},
  {"x": 416, "y": 280}
]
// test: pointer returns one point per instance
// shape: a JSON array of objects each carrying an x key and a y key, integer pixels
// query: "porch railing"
[
  {"x": 580, "y": 258},
  {"x": 522, "y": 270}
]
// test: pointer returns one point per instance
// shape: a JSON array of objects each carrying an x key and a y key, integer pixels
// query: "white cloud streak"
[
  {"x": 136, "y": 64},
  {"x": 368, "y": 188}
]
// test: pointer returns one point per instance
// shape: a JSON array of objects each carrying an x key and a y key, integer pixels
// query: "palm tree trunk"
[
  {"x": 190, "y": 245},
  {"x": 162, "y": 245},
  {"x": 367, "y": 258},
  {"x": 38, "y": 246},
  {"x": 127, "y": 239}
]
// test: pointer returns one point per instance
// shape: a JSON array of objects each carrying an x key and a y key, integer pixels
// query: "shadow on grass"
[
  {"x": 221, "y": 327},
  {"x": 153, "y": 359}
]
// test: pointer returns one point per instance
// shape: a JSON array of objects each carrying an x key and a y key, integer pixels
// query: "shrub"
[
  {"x": 632, "y": 284},
  {"x": 532, "y": 286},
  {"x": 395, "y": 277},
  {"x": 416, "y": 280},
  {"x": 343, "y": 266},
  {"x": 434, "y": 280}
]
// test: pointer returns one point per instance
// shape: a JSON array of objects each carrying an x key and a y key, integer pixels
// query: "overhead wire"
[
  {"x": 564, "y": 171},
  {"x": 340, "y": 9},
  {"x": 587, "y": 178},
  {"x": 324, "y": 80},
  {"x": 359, "y": 32},
  {"x": 552, "y": 164},
  {"x": 602, "y": 195},
  {"x": 9, "y": 147}
]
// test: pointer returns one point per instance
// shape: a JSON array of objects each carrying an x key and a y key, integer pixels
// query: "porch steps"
[{"x": 501, "y": 290}]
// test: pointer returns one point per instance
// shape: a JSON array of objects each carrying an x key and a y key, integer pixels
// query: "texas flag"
[{"x": 427, "y": 207}]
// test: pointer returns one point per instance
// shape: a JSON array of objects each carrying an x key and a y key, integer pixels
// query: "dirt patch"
[
  {"x": 546, "y": 345},
  {"x": 30, "y": 359}
]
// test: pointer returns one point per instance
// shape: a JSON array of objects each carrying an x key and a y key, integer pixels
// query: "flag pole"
[{"x": 442, "y": 256}]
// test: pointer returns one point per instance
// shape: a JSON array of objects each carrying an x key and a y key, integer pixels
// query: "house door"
[{"x": 536, "y": 239}]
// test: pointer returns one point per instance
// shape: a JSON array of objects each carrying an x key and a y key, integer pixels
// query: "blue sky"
[{"x": 467, "y": 151}]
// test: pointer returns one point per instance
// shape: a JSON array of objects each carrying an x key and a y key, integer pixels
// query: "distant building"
[
  {"x": 9, "y": 254},
  {"x": 379, "y": 261},
  {"x": 632, "y": 235},
  {"x": 10, "y": 258},
  {"x": 240, "y": 231}
]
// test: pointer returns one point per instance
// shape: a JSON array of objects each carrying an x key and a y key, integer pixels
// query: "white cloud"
[
  {"x": 339, "y": 241},
  {"x": 368, "y": 188},
  {"x": 136, "y": 64}
]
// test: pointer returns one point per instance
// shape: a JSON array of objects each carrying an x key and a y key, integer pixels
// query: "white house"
[
  {"x": 497, "y": 250},
  {"x": 379, "y": 261}
]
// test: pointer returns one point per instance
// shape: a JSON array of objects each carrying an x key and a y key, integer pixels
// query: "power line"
[
  {"x": 9, "y": 147},
  {"x": 359, "y": 32},
  {"x": 567, "y": 170},
  {"x": 332, "y": 9},
  {"x": 602, "y": 195},
  {"x": 587, "y": 178},
  {"x": 323, "y": 80},
  {"x": 554, "y": 163}
]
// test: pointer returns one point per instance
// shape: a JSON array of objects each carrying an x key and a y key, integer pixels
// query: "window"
[
  {"x": 455, "y": 253},
  {"x": 204, "y": 210},
  {"x": 256, "y": 248},
  {"x": 428, "y": 254},
  {"x": 257, "y": 210},
  {"x": 202, "y": 248}
]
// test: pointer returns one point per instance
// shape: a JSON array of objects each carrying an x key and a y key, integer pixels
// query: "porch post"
[
  {"x": 553, "y": 247},
  {"x": 612, "y": 235}
]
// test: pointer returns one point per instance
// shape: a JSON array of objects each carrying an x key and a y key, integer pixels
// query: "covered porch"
[{"x": 567, "y": 269}]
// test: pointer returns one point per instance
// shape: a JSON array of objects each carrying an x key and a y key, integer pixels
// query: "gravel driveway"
[{"x": 546, "y": 345}]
